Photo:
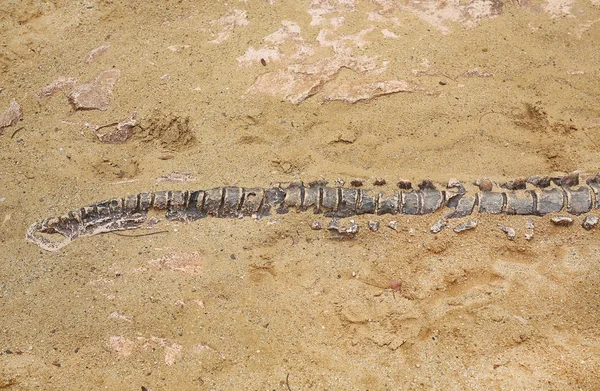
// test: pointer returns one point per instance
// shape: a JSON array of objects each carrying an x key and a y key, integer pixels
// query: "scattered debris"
[
  {"x": 10, "y": 116},
  {"x": 374, "y": 226},
  {"x": 510, "y": 232},
  {"x": 475, "y": 72},
  {"x": 177, "y": 176},
  {"x": 590, "y": 222},
  {"x": 61, "y": 84},
  {"x": 91, "y": 56},
  {"x": 438, "y": 226},
  {"x": 186, "y": 262},
  {"x": 562, "y": 221},
  {"x": 339, "y": 182},
  {"x": 466, "y": 226},
  {"x": 334, "y": 228},
  {"x": 95, "y": 95}
]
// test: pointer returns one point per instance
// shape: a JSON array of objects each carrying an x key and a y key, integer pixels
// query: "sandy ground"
[{"x": 253, "y": 92}]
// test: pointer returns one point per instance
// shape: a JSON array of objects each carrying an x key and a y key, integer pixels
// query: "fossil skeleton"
[{"x": 537, "y": 196}]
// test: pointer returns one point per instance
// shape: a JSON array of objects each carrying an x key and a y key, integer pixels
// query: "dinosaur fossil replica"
[{"x": 574, "y": 194}]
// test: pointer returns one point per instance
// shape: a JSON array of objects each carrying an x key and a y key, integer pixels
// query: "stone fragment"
[
  {"x": 374, "y": 226},
  {"x": 61, "y": 84},
  {"x": 334, "y": 225},
  {"x": 393, "y": 225},
  {"x": 125, "y": 129},
  {"x": 562, "y": 221},
  {"x": 353, "y": 228},
  {"x": 91, "y": 56},
  {"x": 364, "y": 92},
  {"x": 510, "y": 232},
  {"x": 590, "y": 222},
  {"x": 438, "y": 226},
  {"x": 466, "y": 226},
  {"x": 530, "y": 228},
  {"x": 95, "y": 95},
  {"x": 357, "y": 182},
  {"x": 379, "y": 182},
  {"x": 10, "y": 116},
  {"x": 316, "y": 226}
]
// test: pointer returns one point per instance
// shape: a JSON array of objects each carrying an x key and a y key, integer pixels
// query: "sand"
[{"x": 123, "y": 97}]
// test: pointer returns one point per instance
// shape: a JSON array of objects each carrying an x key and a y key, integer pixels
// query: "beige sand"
[{"x": 253, "y": 92}]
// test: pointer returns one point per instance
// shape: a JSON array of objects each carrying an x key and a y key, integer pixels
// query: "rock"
[
  {"x": 438, "y": 226},
  {"x": 334, "y": 225},
  {"x": 316, "y": 226},
  {"x": 590, "y": 222},
  {"x": 393, "y": 225},
  {"x": 466, "y": 226},
  {"x": 10, "y": 116},
  {"x": 510, "y": 232},
  {"x": 374, "y": 226},
  {"x": 530, "y": 228},
  {"x": 61, "y": 84},
  {"x": 562, "y": 221},
  {"x": 123, "y": 132},
  {"x": 95, "y": 95},
  {"x": 357, "y": 182}
]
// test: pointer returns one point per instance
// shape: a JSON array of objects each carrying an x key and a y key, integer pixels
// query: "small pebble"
[
  {"x": 484, "y": 184},
  {"x": 510, "y": 232},
  {"x": 357, "y": 182},
  {"x": 466, "y": 226},
  {"x": 379, "y": 182},
  {"x": 316, "y": 226},
  {"x": 393, "y": 225},
  {"x": 339, "y": 182},
  {"x": 374, "y": 226},
  {"x": 353, "y": 228},
  {"x": 438, "y": 226},
  {"x": 2, "y": 199},
  {"x": 562, "y": 221},
  {"x": 590, "y": 222}
]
